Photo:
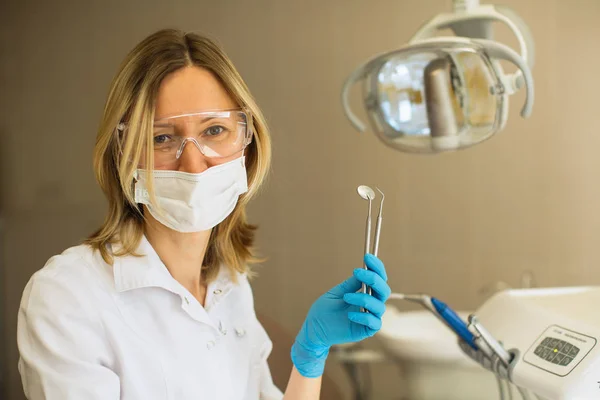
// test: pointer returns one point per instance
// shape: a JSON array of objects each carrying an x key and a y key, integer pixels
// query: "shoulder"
[
  {"x": 242, "y": 281},
  {"x": 60, "y": 319},
  {"x": 66, "y": 280}
]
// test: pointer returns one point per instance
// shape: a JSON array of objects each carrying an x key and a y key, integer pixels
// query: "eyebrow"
[{"x": 163, "y": 122}]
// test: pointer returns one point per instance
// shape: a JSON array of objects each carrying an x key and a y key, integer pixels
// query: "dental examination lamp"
[{"x": 445, "y": 93}]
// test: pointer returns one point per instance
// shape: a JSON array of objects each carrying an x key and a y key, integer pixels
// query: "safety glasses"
[{"x": 216, "y": 134}]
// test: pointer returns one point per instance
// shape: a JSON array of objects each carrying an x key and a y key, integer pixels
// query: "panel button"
[
  {"x": 558, "y": 359},
  {"x": 539, "y": 350},
  {"x": 553, "y": 343},
  {"x": 567, "y": 348},
  {"x": 560, "y": 345},
  {"x": 573, "y": 352},
  {"x": 550, "y": 356},
  {"x": 565, "y": 361},
  {"x": 545, "y": 353},
  {"x": 546, "y": 341}
]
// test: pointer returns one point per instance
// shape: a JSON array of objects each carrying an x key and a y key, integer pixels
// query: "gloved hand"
[{"x": 335, "y": 317}]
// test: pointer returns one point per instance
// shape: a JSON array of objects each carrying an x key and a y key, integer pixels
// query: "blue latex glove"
[{"x": 335, "y": 317}]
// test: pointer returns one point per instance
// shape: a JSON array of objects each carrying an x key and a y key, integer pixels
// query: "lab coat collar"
[
  {"x": 145, "y": 270},
  {"x": 148, "y": 270}
]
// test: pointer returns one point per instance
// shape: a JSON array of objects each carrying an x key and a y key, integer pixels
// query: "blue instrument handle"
[{"x": 458, "y": 325}]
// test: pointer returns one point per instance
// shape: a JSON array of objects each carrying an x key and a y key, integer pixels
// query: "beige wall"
[{"x": 525, "y": 200}]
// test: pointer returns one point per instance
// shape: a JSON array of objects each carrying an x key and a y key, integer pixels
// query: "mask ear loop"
[{"x": 120, "y": 129}]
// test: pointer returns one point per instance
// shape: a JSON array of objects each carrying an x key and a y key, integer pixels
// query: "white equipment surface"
[{"x": 556, "y": 332}]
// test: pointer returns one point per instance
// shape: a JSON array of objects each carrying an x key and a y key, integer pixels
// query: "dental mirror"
[{"x": 366, "y": 192}]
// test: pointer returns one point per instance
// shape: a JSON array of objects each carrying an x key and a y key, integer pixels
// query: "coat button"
[
  {"x": 210, "y": 345},
  {"x": 217, "y": 291},
  {"x": 240, "y": 332}
]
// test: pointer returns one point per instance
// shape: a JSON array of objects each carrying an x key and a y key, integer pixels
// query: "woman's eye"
[
  {"x": 162, "y": 139},
  {"x": 214, "y": 130}
]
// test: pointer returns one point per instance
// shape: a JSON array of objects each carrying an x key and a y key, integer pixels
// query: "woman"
[{"x": 156, "y": 304}]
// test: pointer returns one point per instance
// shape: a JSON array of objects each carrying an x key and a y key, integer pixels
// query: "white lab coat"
[{"x": 90, "y": 331}]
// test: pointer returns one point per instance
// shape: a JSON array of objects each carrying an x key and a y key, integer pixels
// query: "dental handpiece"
[
  {"x": 473, "y": 334},
  {"x": 443, "y": 312}
]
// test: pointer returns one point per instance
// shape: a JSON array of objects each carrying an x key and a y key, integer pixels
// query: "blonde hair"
[{"x": 132, "y": 98}]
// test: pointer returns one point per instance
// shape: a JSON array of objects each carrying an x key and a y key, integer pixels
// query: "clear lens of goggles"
[
  {"x": 434, "y": 97},
  {"x": 217, "y": 134}
]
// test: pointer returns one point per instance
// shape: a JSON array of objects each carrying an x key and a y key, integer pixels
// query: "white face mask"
[{"x": 188, "y": 202}]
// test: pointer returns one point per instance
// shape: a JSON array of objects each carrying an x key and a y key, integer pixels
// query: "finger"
[
  {"x": 376, "y": 265},
  {"x": 370, "y": 303},
  {"x": 366, "y": 319},
  {"x": 380, "y": 287},
  {"x": 350, "y": 285}
]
